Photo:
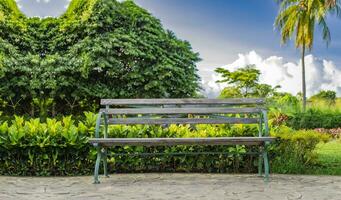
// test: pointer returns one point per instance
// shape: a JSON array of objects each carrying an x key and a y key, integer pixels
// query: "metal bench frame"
[{"x": 214, "y": 109}]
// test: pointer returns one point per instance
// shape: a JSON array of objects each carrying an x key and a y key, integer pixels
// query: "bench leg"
[
  {"x": 266, "y": 166},
  {"x": 97, "y": 165},
  {"x": 260, "y": 164},
  {"x": 105, "y": 163}
]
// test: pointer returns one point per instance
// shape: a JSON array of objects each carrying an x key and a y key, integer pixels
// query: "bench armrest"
[
  {"x": 98, "y": 125},
  {"x": 265, "y": 121}
]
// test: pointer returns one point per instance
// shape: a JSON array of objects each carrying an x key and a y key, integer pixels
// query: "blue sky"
[
  {"x": 234, "y": 32},
  {"x": 230, "y": 27}
]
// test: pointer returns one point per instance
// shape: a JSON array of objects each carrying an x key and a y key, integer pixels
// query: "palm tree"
[{"x": 297, "y": 19}]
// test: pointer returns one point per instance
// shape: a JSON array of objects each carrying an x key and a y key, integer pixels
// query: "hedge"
[
  {"x": 60, "y": 147},
  {"x": 97, "y": 49},
  {"x": 315, "y": 118}
]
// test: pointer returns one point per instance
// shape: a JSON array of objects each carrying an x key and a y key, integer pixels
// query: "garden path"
[{"x": 172, "y": 186}]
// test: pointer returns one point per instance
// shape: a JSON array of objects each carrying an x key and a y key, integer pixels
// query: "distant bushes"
[
  {"x": 315, "y": 118},
  {"x": 324, "y": 112}
]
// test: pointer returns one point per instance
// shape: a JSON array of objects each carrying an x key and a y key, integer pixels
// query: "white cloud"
[
  {"x": 45, "y": 1},
  {"x": 320, "y": 74}
]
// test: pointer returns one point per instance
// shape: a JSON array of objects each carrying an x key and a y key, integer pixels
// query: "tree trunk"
[{"x": 304, "y": 93}]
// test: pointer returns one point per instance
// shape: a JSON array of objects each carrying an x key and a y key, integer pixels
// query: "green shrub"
[
  {"x": 315, "y": 118},
  {"x": 235, "y": 162},
  {"x": 60, "y": 147},
  {"x": 51, "y": 148},
  {"x": 295, "y": 150}
]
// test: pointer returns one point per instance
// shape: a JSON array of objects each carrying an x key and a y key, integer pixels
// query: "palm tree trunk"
[{"x": 304, "y": 93}]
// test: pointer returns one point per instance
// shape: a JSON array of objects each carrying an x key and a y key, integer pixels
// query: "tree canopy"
[
  {"x": 96, "y": 49},
  {"x": 244, "y": 82}
]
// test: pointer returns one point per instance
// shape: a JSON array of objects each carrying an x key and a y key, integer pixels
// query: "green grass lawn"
[{"x": 329, "y": 157}]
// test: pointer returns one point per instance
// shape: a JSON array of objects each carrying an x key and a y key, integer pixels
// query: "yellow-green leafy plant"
[{"x": 295, "y": 150}]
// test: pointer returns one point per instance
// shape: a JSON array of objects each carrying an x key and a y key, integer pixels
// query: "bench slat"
[
  {"x": 161, "y": 121},
  {"x": 182, "y": 111},
  {"x": 181, "y": 141},
  {"x": 236, "y": 101}
]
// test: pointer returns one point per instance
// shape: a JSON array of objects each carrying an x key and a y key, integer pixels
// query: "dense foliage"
[
  {"x": 30, "y": 147},
  {"x": 97, "y": 49}
]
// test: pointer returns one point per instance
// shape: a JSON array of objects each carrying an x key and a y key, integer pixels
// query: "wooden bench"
[{"x": 181, "y": 111}]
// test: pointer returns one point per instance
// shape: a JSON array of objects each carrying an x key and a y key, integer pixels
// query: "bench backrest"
[
  {"x": 236, "y": 101},
  {"x": 182, "y": 111}
]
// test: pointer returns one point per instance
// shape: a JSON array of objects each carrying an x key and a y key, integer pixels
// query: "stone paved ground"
[{"x": 172, "y": 186}]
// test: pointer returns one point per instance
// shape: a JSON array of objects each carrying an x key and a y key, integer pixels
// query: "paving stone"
[{"x": 172, "y": 186}]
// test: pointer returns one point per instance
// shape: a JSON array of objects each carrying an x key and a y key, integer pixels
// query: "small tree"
[{"x": 244, "y": 82}]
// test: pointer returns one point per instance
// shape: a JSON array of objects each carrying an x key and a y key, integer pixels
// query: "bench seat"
[{"x": 109, "y": 142}]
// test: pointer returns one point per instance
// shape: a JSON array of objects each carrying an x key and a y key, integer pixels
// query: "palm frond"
[
  {"x": 325, "y": 31},
  {"x": 334, "y": 7},
  {"x": 297, "y": 20}
]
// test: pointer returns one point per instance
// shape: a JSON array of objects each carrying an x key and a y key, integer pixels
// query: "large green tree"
[
  {"x": 96, "y": 49},
  {"x": 298, "y": 18}
]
